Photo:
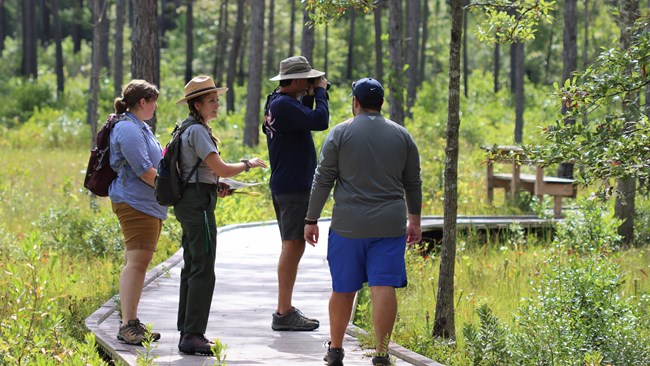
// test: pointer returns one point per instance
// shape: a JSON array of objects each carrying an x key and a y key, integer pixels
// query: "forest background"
[{"x": 61, "y": 248}]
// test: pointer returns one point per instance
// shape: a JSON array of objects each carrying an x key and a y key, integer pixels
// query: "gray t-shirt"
[
  {"x": 196, "y": 143},
  {"x": 376, "y": 167}
]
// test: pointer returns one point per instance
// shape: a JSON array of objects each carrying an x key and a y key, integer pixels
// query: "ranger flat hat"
[
  {"x": 296, "y": 67},
  {"x": 200, "y": 85}
]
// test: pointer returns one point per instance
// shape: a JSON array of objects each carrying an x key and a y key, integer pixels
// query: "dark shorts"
[
  {"x": 140, "y": 230},
  {"x": 291, "y": 210},
  {"x": 378, "y": 261}
]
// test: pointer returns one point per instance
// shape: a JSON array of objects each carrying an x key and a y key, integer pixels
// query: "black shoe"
[
  {"x": 381, "y": 361},
  {"x": 193, "y": 343},
  {"x": 293, "y": 320},
  {"x": 334, "y": 356}
]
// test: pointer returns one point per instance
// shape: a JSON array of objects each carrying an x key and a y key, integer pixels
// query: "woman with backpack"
[
  {"x": 195, "y": 210},
  {"x": 134, "y": 151}
]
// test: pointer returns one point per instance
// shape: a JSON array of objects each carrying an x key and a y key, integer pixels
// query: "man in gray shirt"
[{"x": 376, "y": 167}]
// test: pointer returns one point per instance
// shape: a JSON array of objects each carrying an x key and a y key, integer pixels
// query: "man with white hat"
[{"x": 288, "y": 123}]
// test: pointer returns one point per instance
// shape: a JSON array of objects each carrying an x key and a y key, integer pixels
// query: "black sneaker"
[
  {"x": 381, "y": 361},
  {"x": 334, "y": 356},
  {"x": 193, "y": 343},
  {"x": 293, "y": 320}
]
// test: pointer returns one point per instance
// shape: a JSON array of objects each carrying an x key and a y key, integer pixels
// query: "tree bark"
[
  {"x": 44, "y": 24},
  {"x": 412, "y": 49},
  {"x": 242, "y": 57},
  {"x": 465, "y": 63},
  {"x": 118, "y": 54},
  {"x": 60, "y": 78},
  {"x": 93, "y": 91},
  {"x": 518, "y": 64},
  {"x": 308, "y": 37},
  {"x": 222, "y": 43},
  {"x": 270, "y": 45},
  {"x": 444, "y": 323},
  {"x": 327, "y": 49},
  {"x": 105, "y": 26},
  {"x": 3, "y": 25},
  {"x": 189, "y": 41},
  {"x": 626, "y": 188},
  {"x": 423, "y": 43},
  {"x": 497, "y": 67},
  {"x": 350, "y": 63},
  {"x": 254, "y": 95},
  {"x": 379, "y": 53},
  {"x": 232, "y": 57},
  {"x": 570, "y": 58},
  {"x": 396, "y": 79},
  {"x": 76, "y": 26},
  {"x": 145, "y": 63},
  {"x": 29, "y": 62},
  {"x": 292, "y": 28}
]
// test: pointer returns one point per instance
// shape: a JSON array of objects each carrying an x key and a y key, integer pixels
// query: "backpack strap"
[{"x": 178, "y": 131}]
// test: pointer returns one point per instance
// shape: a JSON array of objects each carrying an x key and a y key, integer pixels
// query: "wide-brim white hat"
[
  {"x": 198, "y": 86},
  {"x": 296, "y": 67}
]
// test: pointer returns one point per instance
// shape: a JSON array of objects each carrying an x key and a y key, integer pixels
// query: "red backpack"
[{"x": 99, "y": 173}]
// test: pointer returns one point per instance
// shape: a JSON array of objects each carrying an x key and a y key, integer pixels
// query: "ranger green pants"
[{"x": 195, "y": 212}]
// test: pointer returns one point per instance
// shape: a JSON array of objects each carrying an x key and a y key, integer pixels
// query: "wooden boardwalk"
[{"x": 244, "y": 299}]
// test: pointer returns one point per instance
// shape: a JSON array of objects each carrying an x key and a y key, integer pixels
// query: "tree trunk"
[
  {"x": 585, "y": 38},
  {"x": 497, "y": 67},
  {"x": 189, "y": 41},
  {"x": 242, "y": 58},
  {"x": 60, "y": 78},
  {"x": 412, "y": 49},
  {"x": 379, "y": 53},
  {"x": 570, "y": 58},
  {"x": 105, "y": 27},
  {"x": 396, "y": 79},
  {"x": 76, "y": 26},
  {"x": 222, "y": 43},
  {"x": 93, "y": 91},
  {"x": 44, "y": 24},
  {"x": 308, "y": 37},
  {"x": 3, "y": 25},
  {"x": 145, "y": 63},
  {"x": 29, "y": 62},
  {"x": 549, "y": 56},
  {"x": 118, "y": 54},
  {"x": 270, "y": 45},
  {"x": 292, "y": 28},
  {"x": 232, "y": 57},
  {"x": 465, "y": 65},
  {"x": 444, "y": 324},
  {"x": 626, "y": 188},
  {"x": 167, "y": 19},
  {"x": 350, "y": 65},
  {"x": 327, "y": 49},
  {"x": 423, "y": 43},
  {"x": 254, "y": 95},
  {"x": 519, "y": 91}
]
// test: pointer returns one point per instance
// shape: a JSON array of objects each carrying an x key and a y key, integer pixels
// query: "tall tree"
[
  {"x": 350, "y": 65},
  {"x": 396, "y": 79},
  {"x": 308, "y": 37},
  {"x": 232, "y": 57},
  {"x": 145, "y": 63},
  {"x": 29, "y": 62},
  {"x": 292, "y": 28},
  {"x": 412, "y": 39},
  {"x": 497, "y": 66},
  {"x": 76, "y": 26},
  {"x": 189, "y": 41},
  {"x": 93, "y": 91},
  {"x": 570, "y": 58},
  {"x": 254, "y": 95},
  {"x": 423, "y": 43},
  {"x": 3, "y": 25},
  {"x": 60, "y": 78},
  {"x": 585, "y": 37},
  {"x": 517, "y": 63},
  {"x": 105, "y": 26},
  {"x": 118, "y": 53},
  {"x": 167, "y": 19},
  {"x": 626, "y": 187},
  {"x": 327, "y": 42},
  {"x": 222, "y": 43},
  {"x": 379, "y": 53},
  {"x": 242, "y": 57},
  {"x": 44, "y": 29},
  {"x": 270, "y": 43},
  {"x": 465, "y": 61},
  {"x": 444, "y": 323}
]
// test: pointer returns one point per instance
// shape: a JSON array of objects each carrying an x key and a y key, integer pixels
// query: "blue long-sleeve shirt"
[{"x": 292, "y": 153}]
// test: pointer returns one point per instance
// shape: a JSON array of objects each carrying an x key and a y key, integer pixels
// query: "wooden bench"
[{"x": 537, "y": 184}]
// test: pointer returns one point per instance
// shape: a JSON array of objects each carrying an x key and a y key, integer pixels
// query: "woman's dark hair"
[{"x": 133, "y": 92}]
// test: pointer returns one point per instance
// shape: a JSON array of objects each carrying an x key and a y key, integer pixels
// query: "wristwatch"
[
  {"x": 311, "y": 222},
  {"x": 247, "y": 163}
]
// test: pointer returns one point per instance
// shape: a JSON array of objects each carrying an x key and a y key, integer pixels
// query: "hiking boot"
[
  {"x": 193, "y": 343},
  {"x": 154, "y": 336},
  {"x": 334, "y": 356},
  {"x": 293, "y": 320},
  {"x": 381, "y": 361},
  {"x": 131, "y": 332}
]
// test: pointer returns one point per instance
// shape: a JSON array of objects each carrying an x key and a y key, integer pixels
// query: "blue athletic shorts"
[{"x": 377, "y": 261}]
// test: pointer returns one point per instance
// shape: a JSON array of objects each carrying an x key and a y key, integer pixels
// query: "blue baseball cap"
[{"x": 368, "y": 90}]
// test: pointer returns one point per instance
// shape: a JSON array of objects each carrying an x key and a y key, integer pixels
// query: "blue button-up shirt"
[{"x": 134, "y": 149}]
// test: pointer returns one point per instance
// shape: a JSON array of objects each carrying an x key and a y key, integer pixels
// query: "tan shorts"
[{"x": 140, "y": 230}]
